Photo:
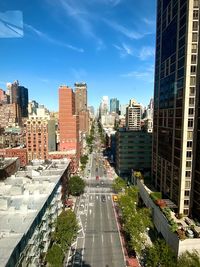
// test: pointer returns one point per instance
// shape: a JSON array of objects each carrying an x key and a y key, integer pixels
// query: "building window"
[
  {"x": 188, "y": 164},
  {"x": 196, "y": 3},
  {"x": 187, "y": 184},
  {"x": 194, "y": 37},
  {"x": 192, "y": 91},
  {"x": 187, "y": 193},
  {"x": 193, "y": 59},
  {"x": 190, "y": 123},
  {"x": 195, "y": 14},
  {"x": 186, "y": 211},
  {"x": 189, "y": 154},
  {"x": 194, "y": 48},
  {"x": 195, "y": 26},
  {"x": 186, "y": 202},
  {"x": 189, "y": 144},
  {"x": 190, "y": 111},
  {"x": 192, "y": 80},
  {"x": 193, "y": 69},
  {"x": 191, "y": 101},
  {"x": 187, "y": 174},
  {"x": 190, "y": 135}
]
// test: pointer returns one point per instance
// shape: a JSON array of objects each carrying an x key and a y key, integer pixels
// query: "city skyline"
[{"x": 97, "y": 44}]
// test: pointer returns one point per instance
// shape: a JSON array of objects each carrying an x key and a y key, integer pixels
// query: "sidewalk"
[{"x": 130, "y": 261}]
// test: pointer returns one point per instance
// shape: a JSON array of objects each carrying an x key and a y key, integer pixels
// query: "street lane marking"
[{"x": 102, "y": 238}]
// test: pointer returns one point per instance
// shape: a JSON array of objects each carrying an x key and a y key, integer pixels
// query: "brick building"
[{"x": 68, "y": 122}]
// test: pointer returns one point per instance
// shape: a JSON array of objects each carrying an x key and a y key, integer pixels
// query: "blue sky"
[{"x": 109, "y": 44}]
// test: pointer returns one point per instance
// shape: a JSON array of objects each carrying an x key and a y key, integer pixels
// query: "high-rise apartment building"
[
  {"x": 133, "y": 116},
  {"x": 114, "y": 105},
  {"x": 80, "y": 97},
  {"x": 104, "y": 107},
  {"x": 23, "y": 100},
  {"x": 68, "y": 121},
  {"x": 176, "y": 94},
  {"x": 81, "y": 106},
  {"x": 19, "y": 95}
]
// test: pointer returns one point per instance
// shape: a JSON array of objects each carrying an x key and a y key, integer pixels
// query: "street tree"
[
  {"x": 76, "y": 185},
  {"x": 160, "y": 255},
  {"x": 66, "y": 229},
  {"x": 118, "y": 184},
  {"x": 135, "y": 219},
  {"x": 84, "y": 159},
  {"x": 55, "y": 256}
]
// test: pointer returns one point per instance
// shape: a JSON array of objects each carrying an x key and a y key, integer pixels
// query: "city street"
[{"x": 98, "y": 243}]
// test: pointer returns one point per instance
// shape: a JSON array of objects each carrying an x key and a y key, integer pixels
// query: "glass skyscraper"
[{"x": 176, "y": 94}]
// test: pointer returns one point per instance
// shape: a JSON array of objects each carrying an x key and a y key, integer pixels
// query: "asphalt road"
[
  {"x": 98, "y": 243},
  {"x": 102, "y": 246}
]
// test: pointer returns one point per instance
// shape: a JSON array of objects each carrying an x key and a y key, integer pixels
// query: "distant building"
[
  {"x": 18, "y": 95},
  {"x": 91, "y": 110},
  {"x": 133, "y": 116},
  {"x": 133, "y": 151},
  {"x": 10, "y": 115},
  {"x": 4, "y": 98},
  {"x": 32, "y": 107},
  {"x": 81, "y": 106},
  {"x": 114, "y": 105},
  {"x": 123, "y": 109},
  {"x": 18, "y": 152},
  {"x": 104, "y": 106},
  {"x": 148, "y": 117},
  {"x": 40, "y": 138},
  {"x": 80, "y": 97}
]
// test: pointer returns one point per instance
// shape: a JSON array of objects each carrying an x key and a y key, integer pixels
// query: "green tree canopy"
[
  {"x": 76, "y": 185},
  {"x": 135, "y": 220},
  {"x": 118, "y": 184},
  {"x": 55, "y": 256},
  {"x": 66, "y": 229},
  {"x": 160, "y": 255}
]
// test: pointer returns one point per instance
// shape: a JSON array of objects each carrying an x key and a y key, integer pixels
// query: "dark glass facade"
[{"x": 174, "y": 104}]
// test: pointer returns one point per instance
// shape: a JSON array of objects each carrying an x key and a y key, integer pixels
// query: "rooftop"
[
  {"x": 21, "y": 198},
  {"x": 4, "y": 162}
]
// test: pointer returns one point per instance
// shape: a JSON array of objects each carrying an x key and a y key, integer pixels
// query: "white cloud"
[
  {"x": 147, "y": 74},
  {"x": 124, "y": 50},
  {"x": 48, "y": 38},
  {"x": 143, "y": 54},
  {"x": 83, "y": 18},
  {"x": 123, "y": 30},
  {"x": 149, "y": 22},
  {"x": 108, "y": 2},
  {"x": 146, "y": 52}
]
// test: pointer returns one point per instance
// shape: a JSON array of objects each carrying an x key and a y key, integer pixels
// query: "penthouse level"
[{"x": 30, "y": 201}]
